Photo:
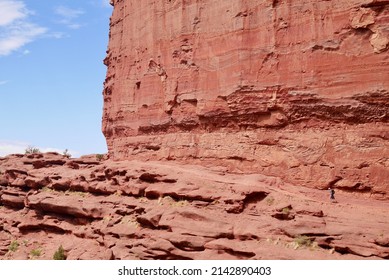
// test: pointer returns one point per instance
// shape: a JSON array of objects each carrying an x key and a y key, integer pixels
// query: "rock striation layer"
[
  {"x": 152, "y": 210},
  {"x": 295, "y": 89}
]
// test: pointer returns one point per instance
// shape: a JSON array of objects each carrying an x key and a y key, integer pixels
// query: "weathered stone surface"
[
  {"x": 195, "y": 222},
  {"x": 238, "y": 248},
  {"x": 105, "y": 211},
  {"x": 14, "y": 201},
  {"x": 297, "y": 89},
  {"x": 72, "y": 205}
]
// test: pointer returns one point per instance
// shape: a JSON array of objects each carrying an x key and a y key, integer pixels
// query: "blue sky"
[{"x": 52, "y": 74}]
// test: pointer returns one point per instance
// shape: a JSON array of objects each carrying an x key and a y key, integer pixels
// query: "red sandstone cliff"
[{"x": 296, "y": 89}]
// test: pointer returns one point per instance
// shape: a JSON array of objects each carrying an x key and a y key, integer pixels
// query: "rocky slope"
[
  {"x": 294, "y": 89},
  {"x": 152, "y": 210}
]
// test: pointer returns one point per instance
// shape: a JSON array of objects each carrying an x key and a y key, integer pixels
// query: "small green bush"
[
  {"x": 303, "y": 240},
  {"x": 99, "y": 157},
  {"x": 270, "y": 200},
  {"x": 36, "y": 252},
  {"x": 31, "y": 150},
  {"x": 59, "y": 254},
  {"x": 13, "y": 246}
]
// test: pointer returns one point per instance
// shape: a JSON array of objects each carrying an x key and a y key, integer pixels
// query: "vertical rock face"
[{"x": 297, "y": 89}]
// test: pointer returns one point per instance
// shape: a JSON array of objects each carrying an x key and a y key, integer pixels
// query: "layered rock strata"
[
  {"x": 295, "y": 89},
  {"x": 152, "y": 210}
]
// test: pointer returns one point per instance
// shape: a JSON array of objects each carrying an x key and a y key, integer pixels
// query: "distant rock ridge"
[{"x": 295, "y": 89}]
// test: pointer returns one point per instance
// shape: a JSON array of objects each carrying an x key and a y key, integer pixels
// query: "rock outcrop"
[
  {"x": 294, "y": 89},
  {"x": 152, "y": 210}
]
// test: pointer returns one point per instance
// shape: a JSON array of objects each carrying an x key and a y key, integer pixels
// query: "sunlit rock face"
[{"x": 297, "y": 89}]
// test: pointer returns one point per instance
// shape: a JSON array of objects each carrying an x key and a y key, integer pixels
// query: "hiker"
[{"x": 332, "y": 193}]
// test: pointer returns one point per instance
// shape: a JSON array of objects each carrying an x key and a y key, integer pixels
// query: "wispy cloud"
[
  {"x": 69, "y": 16},
  {"x": 106, "y": 3},
  {"x": 56, "y": 35},
  {"x": 3, "y": 82},
  {"x": 11, "y": 11},
  {"x": 16, "y": 28},
  {"x": 101, "y": 3}
]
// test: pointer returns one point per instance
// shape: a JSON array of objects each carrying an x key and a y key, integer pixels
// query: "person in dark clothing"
[{"x": 332, "y": 193}]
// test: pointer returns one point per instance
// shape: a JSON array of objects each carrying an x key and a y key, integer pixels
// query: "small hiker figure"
[{"x": 332, "y": 194}]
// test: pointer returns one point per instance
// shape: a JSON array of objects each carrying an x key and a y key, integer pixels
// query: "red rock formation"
[
  {"x": 154, "y": 210},
  {"x": 295, "y": 89}
]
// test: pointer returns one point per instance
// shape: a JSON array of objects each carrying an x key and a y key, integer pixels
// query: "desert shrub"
[
  {"x": 13, "y": 246},
  {"x": 36, "y": 252},
  {"x": 99, "y": 157},
  {"x": 47, "y": 189},
  {"x": 303, "y": 240},
  {"x": 31, "y": 150},
  {"x": 59, "y": 254},
  {"x": 66, "y": 153},
  {"x": 286, "y": 210},
  {"x": 270, "y": 200},
  {"x": 77, "y": 193},
  {"x": 168, "y": 200}
]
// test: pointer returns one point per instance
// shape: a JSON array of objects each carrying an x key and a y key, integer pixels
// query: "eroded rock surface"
[{"x": 153, "y": 210}]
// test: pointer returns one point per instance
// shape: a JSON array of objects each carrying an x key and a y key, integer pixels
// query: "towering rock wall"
[{"x": 293, "y": 88}]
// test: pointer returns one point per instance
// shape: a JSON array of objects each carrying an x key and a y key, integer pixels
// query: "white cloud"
[
  {"x": 16, "y": 29},
  {"x": 3, "y": 82},
  {"x": 69, "y": 16},
  {"x": 19, "y": 35},
  {"x": 15, "y": 147},
  {"x": 11, "y": 11}
]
